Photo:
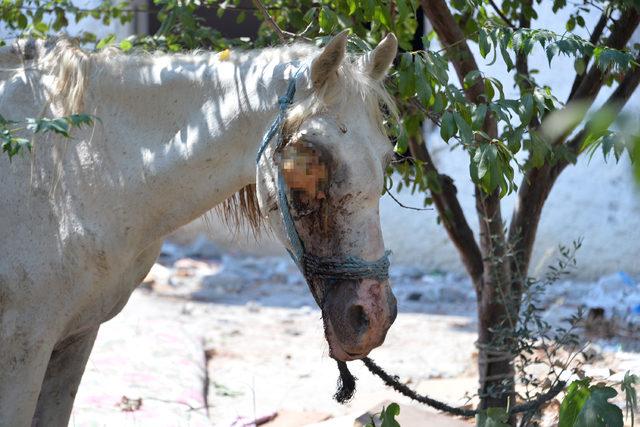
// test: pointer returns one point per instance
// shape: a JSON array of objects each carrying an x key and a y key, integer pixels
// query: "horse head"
[{"x": 320, "y": 184}]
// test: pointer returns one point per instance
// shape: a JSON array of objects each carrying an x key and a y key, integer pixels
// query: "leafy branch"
[{"x": 12, "y": 132}]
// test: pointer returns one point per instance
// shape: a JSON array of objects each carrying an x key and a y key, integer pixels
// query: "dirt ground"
[{"x": 224, "y": 339}]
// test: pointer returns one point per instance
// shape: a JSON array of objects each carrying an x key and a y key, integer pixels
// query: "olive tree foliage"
[{"x": 537, "y": 133}]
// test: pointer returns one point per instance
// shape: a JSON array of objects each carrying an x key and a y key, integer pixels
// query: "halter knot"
[{"x": 284, "y": 102}]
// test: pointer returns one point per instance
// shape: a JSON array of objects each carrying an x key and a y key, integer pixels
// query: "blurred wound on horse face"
[{"x": 305, "y": 172}]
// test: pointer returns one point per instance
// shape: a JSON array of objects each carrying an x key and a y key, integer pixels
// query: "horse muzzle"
[{"x": 357, "y": 316}]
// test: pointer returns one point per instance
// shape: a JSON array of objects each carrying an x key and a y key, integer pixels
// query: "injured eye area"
[{"x": 306, "y": 174}]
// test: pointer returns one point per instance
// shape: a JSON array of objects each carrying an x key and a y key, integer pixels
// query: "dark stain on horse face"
[{"x": 310, "y": 173}]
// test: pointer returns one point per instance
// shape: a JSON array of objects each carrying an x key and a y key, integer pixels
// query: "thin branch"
[
  {"x": 594, "y": 39},
  {"x": 270, "y": 20},
  {"x": 399, "y": 203},
  {"x": 499, "y": 12}
]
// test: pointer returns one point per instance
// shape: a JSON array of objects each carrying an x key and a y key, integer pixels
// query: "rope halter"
[{"x": 335, "y": 268}]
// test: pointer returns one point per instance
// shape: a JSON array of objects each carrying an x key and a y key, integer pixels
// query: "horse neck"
[{"x": 189, "y": 128}]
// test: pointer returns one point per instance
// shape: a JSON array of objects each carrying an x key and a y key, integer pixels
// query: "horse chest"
[{"x": 109, "y": 292}]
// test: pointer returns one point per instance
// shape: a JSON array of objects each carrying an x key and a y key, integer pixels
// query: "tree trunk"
[
  {"x": 495, "y": 360},
  {"x": 497, "y": 313}
]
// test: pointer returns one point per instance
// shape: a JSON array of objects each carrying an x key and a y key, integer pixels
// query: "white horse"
[{"x": 82, "y": 220}]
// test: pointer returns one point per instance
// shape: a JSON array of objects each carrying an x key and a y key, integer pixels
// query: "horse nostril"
[{"x": 358, "y": 319}]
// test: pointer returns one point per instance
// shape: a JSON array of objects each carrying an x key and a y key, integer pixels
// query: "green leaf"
[
  {"x": 422, "y": 84},
  {"x": 126, "y": 45},
  {"x": 580, "y": 66},
  {"x": 471, "y": 77},
  {"x": 309, "y": 15},
  {"x": 504, "y": 41},
  {"x": 486, "y": 157},
  {"x": 353, "y": 6},
  {"x": 406, "y": 76},
  {"x": 41, "y": 27},
  {"x": 388, "y": 415},
  {"x": 465, "y": 129},
  {"x": 492, "y": 417},
  {"x": 22, "y": 21},
  {"x": 551, "y": 50},
  {"x": 577, "y": 394},
  {"x": 106, "y": 41},
  {"x": 327, "y": 19},
  {"x": 630, "y": 395},
  {"x": 479, "y": 115},
  {"x": 528, "y": 109},
  {"x": 488, "y": 89},
  {"x": 597, "y": 411},
  {"x": 401, "y": 143},
  {"x": 483, "y": 43},
  {"x": 447, "y": 126},
  {"x": 515, "y": 140},
  {"x": 78, "y": 120}
]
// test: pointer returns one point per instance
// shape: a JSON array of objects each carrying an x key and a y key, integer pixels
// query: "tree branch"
[
  {"x": 523, "y": 78},
  {"x": 537, "y": 184},
  {"x": 451, "y": 214},
  {"x": 270, "y": 20},
  {"x": 501, "y": 15},
  {"x": 454, "y": 41},
  {"x": 613, "y": 106},
  {"x": 492, "y": 237},
  {"x": 621, "y": 32},
  {"x": 594, "y": 39}
]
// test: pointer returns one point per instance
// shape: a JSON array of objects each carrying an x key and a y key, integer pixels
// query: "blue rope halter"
[{"x": 335, "y": 268}]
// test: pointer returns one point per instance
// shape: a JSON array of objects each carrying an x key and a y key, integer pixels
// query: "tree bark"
[{"x": 495, "y": 364}]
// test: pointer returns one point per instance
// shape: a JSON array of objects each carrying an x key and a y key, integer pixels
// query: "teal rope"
[{"x": 346, "y": 268}]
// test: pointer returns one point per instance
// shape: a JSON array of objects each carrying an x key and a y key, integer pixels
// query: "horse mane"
[
  {"x": 71, "y": 67},
  {"x": 64, "y": 59}
]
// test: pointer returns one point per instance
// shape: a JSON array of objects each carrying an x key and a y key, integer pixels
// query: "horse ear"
[
  {"x": 377, "y": 62},
  {"x": 328, "y": 60}
]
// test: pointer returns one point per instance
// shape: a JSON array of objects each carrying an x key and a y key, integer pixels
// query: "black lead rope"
[
  {"x": 347, "y": 387},
  {"x": 346, "y": 384}
]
